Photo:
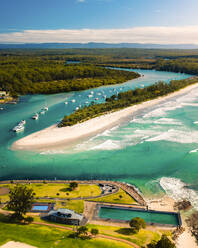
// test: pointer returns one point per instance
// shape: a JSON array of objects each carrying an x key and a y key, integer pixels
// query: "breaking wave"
[{"x": 178, "y": 190}]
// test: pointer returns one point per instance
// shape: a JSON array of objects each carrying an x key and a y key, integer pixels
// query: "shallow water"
[{"x": 159, "y": 142}]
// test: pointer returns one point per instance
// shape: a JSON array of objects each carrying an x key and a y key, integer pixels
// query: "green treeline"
[
  {"x": 125, "y": 99},
  {"x": 42, "y": 76},
  {"x": 189, "y": 66}
]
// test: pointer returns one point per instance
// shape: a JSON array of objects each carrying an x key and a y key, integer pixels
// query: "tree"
[
  {"x": 73, "y": 185},
  {"x": 137, "y": 223},
  {"x": 94, "y": 231},
  {"x": 164, "y": 242},
  {"x": 21, "y": 199},
  {"x": 82, "y": 230}
]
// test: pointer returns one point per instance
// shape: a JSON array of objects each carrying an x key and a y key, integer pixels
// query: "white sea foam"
[
  {"x": 53, "y": 152},
  {"x": 179, "y": 136},
  {"x": 107, "y": 145},
  {"x": 193, "y": 151},
  {"x": 161, "y": 121},
  {"x": 178, "y": 190}
]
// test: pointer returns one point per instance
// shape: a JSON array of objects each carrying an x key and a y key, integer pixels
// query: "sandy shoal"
[
  {"x": 53, "y": 136},
  {"x": 12, "y": 244}
]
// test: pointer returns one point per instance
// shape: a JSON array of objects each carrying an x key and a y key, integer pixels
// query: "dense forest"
[
  {"x": 46, "y": 71},
  {"x": 125, "y": 99},
  {"x": 31, "y": 75}
]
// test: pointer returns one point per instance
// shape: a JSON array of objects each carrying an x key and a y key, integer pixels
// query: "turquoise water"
[
  {"x": 127, "y": 215},
  {"x": 153, "y": 147},
  {"x": 40, "y": 207}
]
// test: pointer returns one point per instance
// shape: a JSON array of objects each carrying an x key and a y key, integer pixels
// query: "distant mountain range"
[{"x": 96, "y": 45}]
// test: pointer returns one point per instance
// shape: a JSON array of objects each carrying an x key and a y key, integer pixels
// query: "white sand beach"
[
  {"x": 54, "y": 137},
  {"x": 186, "y": 240},
  {"x": 12, "y": 244}
]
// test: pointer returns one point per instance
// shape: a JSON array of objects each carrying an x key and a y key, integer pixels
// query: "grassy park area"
[
  {"x": 55, "y": 190},
  {"x": 120, "y": 197},
  {"x": 45, "y": 237}
]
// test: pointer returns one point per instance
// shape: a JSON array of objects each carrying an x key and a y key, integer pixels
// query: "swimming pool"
[
  {"x": 126, "y": 214},
  {"x": 40, "y": 207}
]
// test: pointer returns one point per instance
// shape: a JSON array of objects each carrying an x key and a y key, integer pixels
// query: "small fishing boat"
[
  {"x": 45, "y": 109},
  {"x": 18, "y": 128},
  {"x": 66, "y": 103},
  {"x": 22, "y": 122},
  {"x": 35, "y": 117},
  {"x": 73, "y": 100},
  {"x": 90, "y": 96},
  {"x": 96, "y": 98},
  {"x": 42, "y": 112},
  {"x": 77, "y": 108},
  {"x": 1, "y": 108}
]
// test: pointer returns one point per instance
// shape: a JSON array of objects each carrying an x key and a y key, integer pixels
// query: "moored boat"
[{"x": 35, "y": 117}]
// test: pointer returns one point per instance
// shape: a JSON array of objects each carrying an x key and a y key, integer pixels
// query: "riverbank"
[{"x": 54, "y": 137}]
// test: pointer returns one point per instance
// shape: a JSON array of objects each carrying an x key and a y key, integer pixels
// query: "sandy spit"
[
  {"x": 53, "y": 136},
  {"x": 12, "y": 244}
]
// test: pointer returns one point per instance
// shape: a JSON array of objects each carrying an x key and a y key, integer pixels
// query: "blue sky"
[{"x": 21, "y": 15}]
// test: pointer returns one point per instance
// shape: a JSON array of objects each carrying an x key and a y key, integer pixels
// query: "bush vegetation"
[{"x": 124, "y": 99}]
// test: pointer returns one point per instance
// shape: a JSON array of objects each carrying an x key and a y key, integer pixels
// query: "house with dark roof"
[{"x": 65, "y": 216}]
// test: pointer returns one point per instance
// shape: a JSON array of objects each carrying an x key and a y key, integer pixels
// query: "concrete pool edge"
[{"x": 98, "y": 218}]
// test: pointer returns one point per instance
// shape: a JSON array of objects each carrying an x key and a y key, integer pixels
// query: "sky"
[{"x": 110, "y": 21}]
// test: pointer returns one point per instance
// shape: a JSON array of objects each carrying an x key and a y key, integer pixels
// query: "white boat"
[
  {"x": 92, "y": 92},
  {"x": 87, "y": 102},
  {"x": 99, "y": 94},
  {"x": 73, "y": 100},
  {"x": 35, "y": 117},
  {"x": 23, "y": 122},
  {"x": 90, "y": 96},
  {"x": 66, "y": 103},
  {"x": 18, "y": 128},
  {"x": 42, "y": 112},
  {"x": 1, "y": 108},
  {"x": 77, "y": 108},
  {"x": 96, "y": 98},
  {"x": 46, "y": 109}
]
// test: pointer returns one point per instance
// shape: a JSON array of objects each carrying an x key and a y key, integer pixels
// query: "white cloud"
[{"x": 155, "y": 35}]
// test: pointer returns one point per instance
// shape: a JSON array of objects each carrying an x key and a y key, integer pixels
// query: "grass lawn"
[
  {"x": 142, "y": 238},
  {"x": 61, "y": 190},
  {"x": 120, "y": 197},
  {"x": 47, "y": 237},
  {"x": 51, "y": 190},
  {"x": 76, "y": 205}
]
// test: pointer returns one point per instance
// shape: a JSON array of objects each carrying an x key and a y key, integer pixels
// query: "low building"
[
  {"x": 65, "y": 216},
  {"x": 3, "y": 93}
]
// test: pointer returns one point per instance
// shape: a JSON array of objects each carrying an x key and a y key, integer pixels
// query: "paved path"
[{"x": 98, "y": 236}]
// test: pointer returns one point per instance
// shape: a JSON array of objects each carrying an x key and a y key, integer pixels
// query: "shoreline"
[{"x": 54, "y": 137}]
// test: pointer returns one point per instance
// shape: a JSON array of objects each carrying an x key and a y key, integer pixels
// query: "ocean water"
[{"x": 156, "y": 149}]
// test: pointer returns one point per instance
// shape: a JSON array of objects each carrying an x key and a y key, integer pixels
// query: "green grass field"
[
  {"x": 55, "y": 190},
  {"x": 52, "y": 189},
  {"x": 120, "y": 197},
  {"x": 48, "y": 237}
]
